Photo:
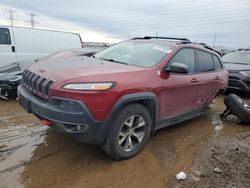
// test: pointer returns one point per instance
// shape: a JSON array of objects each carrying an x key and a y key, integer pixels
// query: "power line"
[
  {"x": 185, "y": 20},
  {"x": 167, "y": 16},
  {"x": 167, "y": 25},
  {"x": 190, "y": 8},
  {"x": 11, "y": 16},
  {"x": 32, "y": 20}
]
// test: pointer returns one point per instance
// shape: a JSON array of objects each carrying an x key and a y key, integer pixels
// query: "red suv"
[{"x": 121, "y": 95}]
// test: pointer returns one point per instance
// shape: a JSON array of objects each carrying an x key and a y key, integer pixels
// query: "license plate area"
[{"x": 25, "y": 103}]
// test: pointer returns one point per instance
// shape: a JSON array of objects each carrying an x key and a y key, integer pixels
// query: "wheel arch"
[{"x": 148, "y": 99}]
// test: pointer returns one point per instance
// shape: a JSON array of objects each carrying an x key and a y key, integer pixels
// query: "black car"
[
  {"x": 238, "y": 65},
  {"x": 10, "y": 76}
]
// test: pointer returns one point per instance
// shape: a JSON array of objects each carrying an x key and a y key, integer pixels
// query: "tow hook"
[{"x": 46, "y": 122}]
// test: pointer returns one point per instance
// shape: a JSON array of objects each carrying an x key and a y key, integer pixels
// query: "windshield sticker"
[{"x": 160, "y": 48}]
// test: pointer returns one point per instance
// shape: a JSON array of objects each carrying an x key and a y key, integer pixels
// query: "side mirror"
[{"x": 178, "y": 68}]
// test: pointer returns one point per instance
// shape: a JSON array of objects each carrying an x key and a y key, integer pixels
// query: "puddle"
[
  {"x": 217, "y": 123},
  {"x": 17, "y": 144},
  {"x": 38, "y": 156}
]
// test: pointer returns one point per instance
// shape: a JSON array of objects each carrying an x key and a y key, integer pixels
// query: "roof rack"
[
  {"x": 243, "y": 49},
  {"x": 208, "y": 47},
  {"x": 182, "y": 41},
  {"x": 167, "y": 38}
]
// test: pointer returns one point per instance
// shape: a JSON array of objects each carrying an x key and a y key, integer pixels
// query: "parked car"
[
  {"x": 238, "y": 64},
  {"x": 10, "y": 75},
  {"x": 20, "y": 45},
  {"x": 72, "y": 53},
  {"x": 121, "y": 95}
]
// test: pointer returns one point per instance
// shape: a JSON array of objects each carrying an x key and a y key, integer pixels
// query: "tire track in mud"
[
  {"x": 13, "y": 116},
  {"x": 25, "y": 162},
  {"x": 16, "y": 139}
]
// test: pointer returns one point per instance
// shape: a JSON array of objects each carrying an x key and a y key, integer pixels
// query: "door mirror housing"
[{"x": 178, "y": 68}]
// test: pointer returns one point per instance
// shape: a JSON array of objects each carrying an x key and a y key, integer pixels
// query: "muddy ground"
[{"x": 212, "y": 154}]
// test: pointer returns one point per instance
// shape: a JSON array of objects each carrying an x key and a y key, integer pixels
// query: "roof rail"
[
  {"x": 167, "y": 38},
  {"x": 208, "y": 47},
  {"x": 243, "y": 49},
  {"x": 182, "y": 41}
]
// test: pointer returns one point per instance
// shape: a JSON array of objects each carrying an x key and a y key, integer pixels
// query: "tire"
[
  {"x": 133, "y": 119},
  {"x": 238, "y": 107}
]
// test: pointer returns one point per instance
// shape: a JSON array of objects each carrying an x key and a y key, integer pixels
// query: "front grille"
[{"x": 37, "y": 84}]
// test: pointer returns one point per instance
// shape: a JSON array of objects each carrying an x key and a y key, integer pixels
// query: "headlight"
[
  {"x": 245, "y": 73},
  {"x": 89, "y": 86}
]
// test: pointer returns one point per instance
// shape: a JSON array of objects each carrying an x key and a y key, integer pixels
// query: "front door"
[
  {"x": 7, "y": 47},
  {"x": 179, "y": 92}
]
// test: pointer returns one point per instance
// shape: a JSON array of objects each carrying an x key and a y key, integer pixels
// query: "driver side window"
[
  {"x": 5, "y": 36},
  {"x": 185, "y": 56}
]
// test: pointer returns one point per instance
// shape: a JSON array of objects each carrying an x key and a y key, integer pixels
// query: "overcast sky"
[{"x": 198, "y": 20}]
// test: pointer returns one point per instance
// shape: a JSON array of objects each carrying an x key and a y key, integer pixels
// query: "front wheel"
[{"x": 129, "y": 132}]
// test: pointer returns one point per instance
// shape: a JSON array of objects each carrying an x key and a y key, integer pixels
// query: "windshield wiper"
[{"x": 112, "y": 60}]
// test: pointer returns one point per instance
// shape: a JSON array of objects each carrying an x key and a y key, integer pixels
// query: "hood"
[
  {"x": 233, "y": 67},
  {"x": 10, "y": 70},
  {"x": 78, "y": 67}
]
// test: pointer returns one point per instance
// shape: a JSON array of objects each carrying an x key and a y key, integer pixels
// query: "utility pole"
[
  {"x": 32, "y": 20},
  {"x": 156, "y": 34},
  {"x": 214, "y": 40},
  {"x": 11, "y": 16}
]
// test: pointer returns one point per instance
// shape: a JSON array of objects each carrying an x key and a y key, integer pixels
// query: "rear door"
[
  {"x": 7, "y": 47},
  {"x": 208, "y": 76},
  {"x": 180, "y": 91}
]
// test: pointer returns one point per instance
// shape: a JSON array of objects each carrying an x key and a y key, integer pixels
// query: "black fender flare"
[{"x": 133, "y": 97}]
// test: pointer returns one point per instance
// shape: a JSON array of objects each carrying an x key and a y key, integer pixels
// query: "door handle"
[
  {"x": 194, "y": 80},
  {"x": 13, "y": 48}
]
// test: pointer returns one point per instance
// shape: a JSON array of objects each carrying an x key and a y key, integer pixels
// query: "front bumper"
[{"x": 66, "y": 115}]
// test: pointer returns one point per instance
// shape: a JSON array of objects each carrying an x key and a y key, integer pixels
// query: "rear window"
[
  {"x": 242, "y": 57},
  {"x": 4, "y": 36},
  {"x": 217, "y": 63},
  {"x": 204, "y": 62}
]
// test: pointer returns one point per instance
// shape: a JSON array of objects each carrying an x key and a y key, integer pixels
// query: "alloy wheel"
[{"x": 131, "y": 133}]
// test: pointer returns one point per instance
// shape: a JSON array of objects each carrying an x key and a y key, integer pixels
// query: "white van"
[{"x": 25, "y": 45}]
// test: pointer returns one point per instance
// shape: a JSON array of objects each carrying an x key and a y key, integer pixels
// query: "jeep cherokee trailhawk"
[{"x": 118, "y": 97}]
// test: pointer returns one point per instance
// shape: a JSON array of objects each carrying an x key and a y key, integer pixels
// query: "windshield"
[
  {"x": 237, "y": 57},
  {"x": 139, "y": 53}
]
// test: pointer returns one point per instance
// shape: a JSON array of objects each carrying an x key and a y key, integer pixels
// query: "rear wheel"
[{"x": 129, "y": 132}]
